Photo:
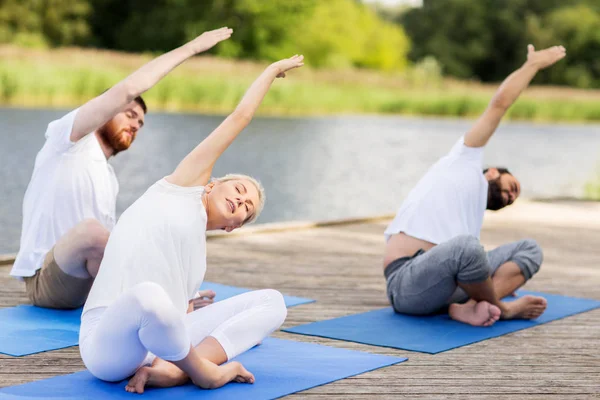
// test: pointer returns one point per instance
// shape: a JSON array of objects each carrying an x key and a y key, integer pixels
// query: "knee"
[
  {"x": 94, "y": 235},
  {"x": 470, "y": 248},
  {"x": 529, "y": 257},
  {"x": 472, "y": 260},
  {"x": 276, "y": 305},
  {"x": 152, "y": 300},
  {"x": 534, "y": 250}
]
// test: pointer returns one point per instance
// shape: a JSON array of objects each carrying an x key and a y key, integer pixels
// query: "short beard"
[
  {"x": 495, "y": 200},
  {"x": 114, "y": 138}
]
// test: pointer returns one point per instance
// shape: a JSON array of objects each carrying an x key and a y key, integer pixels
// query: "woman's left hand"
[{"x": 203, "y": 298}]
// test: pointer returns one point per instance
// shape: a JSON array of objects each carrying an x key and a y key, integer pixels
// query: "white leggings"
[{"x": 143, "y": 323}]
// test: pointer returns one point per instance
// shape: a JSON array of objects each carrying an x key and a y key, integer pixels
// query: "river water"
[{"x": 312, "y": 168}]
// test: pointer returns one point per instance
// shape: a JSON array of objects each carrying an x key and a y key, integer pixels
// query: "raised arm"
[
  {"x": 509, "y": 92},
  {"x": 196, "y": 168},
  {"x": 101, "y": 109}
]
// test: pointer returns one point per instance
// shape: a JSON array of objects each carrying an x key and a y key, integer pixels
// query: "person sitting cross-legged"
[{"x": 433, "y": 259}]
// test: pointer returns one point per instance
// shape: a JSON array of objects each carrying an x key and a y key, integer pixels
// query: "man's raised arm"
[
  {"x": 101, "y": 109},
  {"x": 509, "y": 92}
]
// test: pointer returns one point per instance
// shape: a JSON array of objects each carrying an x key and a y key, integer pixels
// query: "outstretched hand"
[
  {"x": 287, "y": 64},
  {"x": 544, "y": 58},
  {"x": 209, "y": 39}
]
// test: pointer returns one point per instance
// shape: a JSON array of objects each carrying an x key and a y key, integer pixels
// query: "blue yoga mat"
[
  {"x": 225, "y": 292},
  {"x": 281, "y": 367},
  {"x": 28, "y": 329},
  {"x": 433, "y": 334}
]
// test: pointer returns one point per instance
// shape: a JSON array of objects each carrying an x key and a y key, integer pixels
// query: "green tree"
[
  {"x": 484, "y": 39},
  {"x": 454, "y": 31},
  {"x": 44, "y": 22},
  {"x": 329, "y": 33},
  {"x": 134, "y": 25},
  {"x": 342, "y": 33},
  {"x": 578, "y": 29},
  {"x": 260, "y": 27}
]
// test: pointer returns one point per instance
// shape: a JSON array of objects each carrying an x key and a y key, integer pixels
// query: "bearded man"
[
  {"x": 433, "y": 259},
  {"x": 69, "y": 205}
]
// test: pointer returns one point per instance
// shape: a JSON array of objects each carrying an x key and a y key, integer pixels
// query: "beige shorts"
[{"x": 51, "y": 287}]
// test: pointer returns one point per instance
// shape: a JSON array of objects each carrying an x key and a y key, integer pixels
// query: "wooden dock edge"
[{"x": 8, "y": 259}]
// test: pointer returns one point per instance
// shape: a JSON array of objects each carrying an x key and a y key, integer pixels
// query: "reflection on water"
[{"x": 312, "y": 168}]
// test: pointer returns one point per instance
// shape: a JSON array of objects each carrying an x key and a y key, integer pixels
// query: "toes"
[
  {"x": 538, "y": 300},
  {"x": 490, "y": 321},
  {"x": 532, "y": 314},
  {"x": 495, "y": 312}
]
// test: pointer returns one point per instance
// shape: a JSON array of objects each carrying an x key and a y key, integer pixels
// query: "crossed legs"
[
  {"x": 142, "y": 325},
  {"x": 459, "y": 270}
]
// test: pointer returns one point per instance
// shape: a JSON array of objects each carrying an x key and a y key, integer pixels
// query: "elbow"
[
  {"x": 500, "y": 102},
  {"x": 128, "y": 92},
  {"x": 241, "y": 117}
]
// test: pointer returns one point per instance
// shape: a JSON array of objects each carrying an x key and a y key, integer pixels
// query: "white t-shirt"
[
  {"x": 70, "y": 182},
  {"x": 450, "y": 200},
  {"x": 160, "y": 238}
]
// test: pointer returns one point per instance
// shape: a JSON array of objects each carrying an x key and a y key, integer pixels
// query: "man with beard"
[
  {"x": 69, "y": 205},
  {"x": 433, "y": 259}
]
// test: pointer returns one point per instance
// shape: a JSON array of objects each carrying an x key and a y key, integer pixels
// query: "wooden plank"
[{"x": 340, "y": 266}]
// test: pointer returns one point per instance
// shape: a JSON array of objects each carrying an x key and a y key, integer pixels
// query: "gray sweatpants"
[{"x": 428, "y": 281}]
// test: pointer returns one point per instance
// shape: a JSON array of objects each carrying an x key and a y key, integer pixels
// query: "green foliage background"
[
  {"x": 469, "y": 39},
  {"x": 487, "y": 39}
]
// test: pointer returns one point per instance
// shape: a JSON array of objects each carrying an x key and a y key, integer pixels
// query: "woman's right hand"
[
  {"x": 209, "y": 39},
  {"x": 282, "y": 66}
]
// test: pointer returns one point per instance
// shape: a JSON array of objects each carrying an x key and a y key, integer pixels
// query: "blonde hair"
[{"x": 259, "y": 188}]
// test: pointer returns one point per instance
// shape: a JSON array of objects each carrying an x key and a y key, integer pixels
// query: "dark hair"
[
  {"x": 500, "y": 169},
  {"x": 138, "y": 100},
  {"x": 142, "y": 103},
  {"x": 495, "y": 200}
]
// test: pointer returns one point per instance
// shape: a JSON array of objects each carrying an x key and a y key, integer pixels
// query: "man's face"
[
  {"x": 122, "y": 130},
  {"x": 503, "y": 189}
]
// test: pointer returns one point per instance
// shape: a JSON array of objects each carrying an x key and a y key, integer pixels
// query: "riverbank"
[{"x": 67, "y": 77}]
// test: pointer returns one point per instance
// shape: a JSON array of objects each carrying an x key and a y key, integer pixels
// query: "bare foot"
[
  {"x": 230, "y": 372},
  {"x": 243, "y": 375},
  {"x": 526, "y": 307},
  {"x": 475, "y": 313},
  {"x": 161, "y": 374}
]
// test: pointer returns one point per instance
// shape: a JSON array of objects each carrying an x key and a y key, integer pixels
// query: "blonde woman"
[{"x": 140, "y": 308}]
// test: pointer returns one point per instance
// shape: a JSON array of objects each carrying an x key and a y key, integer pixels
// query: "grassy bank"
[
  {"x": 68, "y": 77},
  {"x": 592, "y": 188}
]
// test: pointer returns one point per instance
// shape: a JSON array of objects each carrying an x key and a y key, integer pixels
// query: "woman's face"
[{"x": 230, "y": 204}]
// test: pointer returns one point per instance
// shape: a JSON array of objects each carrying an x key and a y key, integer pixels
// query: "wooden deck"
[{"x": 340, "y": 267}]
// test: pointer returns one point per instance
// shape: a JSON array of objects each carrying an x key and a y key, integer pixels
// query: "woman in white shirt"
[{"x": 155, "y": 261}]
